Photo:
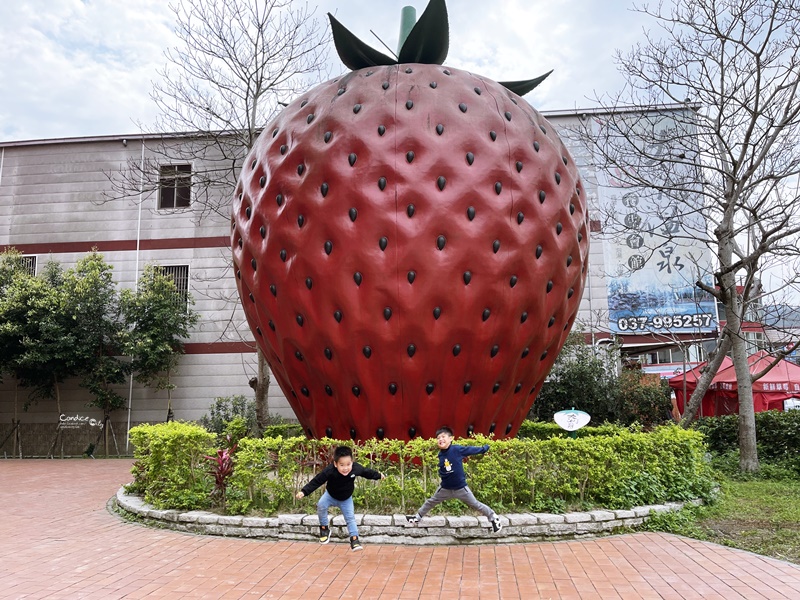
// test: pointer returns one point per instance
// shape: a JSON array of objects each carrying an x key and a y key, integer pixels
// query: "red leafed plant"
[{"x": 222, "y": 469}]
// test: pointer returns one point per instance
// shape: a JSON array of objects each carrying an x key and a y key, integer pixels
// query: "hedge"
[{"x": 614, "y": 471}]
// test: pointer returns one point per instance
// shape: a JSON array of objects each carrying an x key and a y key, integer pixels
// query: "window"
[
  {"x": 29, "y": 264},
  {"x": 180, "y": 276},
  {"x": 174, "y": 186}
]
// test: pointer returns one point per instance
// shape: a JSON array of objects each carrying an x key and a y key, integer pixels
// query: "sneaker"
[
  {"x": 355, "y": 545},
  {"x": 413, "y": 519},
  {"x": 324, "y": 534},
  {"x": 496, "y": 524}
]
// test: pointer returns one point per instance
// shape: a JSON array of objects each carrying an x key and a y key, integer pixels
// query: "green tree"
[{"x": 157, "y": 320}]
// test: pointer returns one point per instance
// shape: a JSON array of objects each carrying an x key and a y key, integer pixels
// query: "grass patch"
[{"x": 758, "y": 515}]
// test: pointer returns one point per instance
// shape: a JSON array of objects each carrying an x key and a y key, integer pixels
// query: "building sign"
[{"x": 652, "y": 259}]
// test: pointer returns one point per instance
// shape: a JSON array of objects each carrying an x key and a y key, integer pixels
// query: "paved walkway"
[{"x": 58, "y": 540}]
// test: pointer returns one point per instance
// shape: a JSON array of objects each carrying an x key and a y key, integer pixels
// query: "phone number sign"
[{"x": 665, "y": 322}]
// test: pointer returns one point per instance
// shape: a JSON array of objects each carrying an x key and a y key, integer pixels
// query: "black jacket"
[{"x": 338, "y": 486}]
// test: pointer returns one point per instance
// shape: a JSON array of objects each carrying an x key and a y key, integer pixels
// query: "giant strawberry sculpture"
[{"x": 410, "y": 245}]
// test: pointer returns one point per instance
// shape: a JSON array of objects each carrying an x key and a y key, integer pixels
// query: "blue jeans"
[{"x": 346, "y": 506}]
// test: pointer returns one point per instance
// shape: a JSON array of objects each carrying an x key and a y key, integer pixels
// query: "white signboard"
[{"x": 572, "y": 419}]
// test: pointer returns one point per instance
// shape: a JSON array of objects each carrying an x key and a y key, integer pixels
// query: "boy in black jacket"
[
  {"x": 454, "y": 481},
  {"x": 340, "y": 483}
]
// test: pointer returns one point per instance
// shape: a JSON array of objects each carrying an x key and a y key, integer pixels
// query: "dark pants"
[{"x": 464, "y": 494}]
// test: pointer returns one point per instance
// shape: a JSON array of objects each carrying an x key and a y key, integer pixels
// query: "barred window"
[
  {"x": 180, "y": 276},
  {"x": 29, "y": 264},
  {"x": 174, "y": 186}
]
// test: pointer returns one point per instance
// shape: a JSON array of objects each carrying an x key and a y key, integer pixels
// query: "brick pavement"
[{"x": 58, "y": 540}]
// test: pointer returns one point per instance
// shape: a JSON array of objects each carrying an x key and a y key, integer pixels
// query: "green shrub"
[
  {"x": 618, "y": 470},
  {"x": 225, "y": 409},
  {"x": 170, "y": 471}
]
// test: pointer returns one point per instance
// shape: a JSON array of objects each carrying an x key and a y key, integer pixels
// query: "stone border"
[{"x": 393, "y": 529}]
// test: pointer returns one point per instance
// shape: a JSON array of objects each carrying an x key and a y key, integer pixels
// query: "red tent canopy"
[{"x": 722, "y": 398}]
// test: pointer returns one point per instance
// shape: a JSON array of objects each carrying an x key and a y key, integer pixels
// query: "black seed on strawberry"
[
  {"x": 298, "y": 355},
  {"x": 358, "y": 278},
  {"x": 240, "y": 242},
  {"x": 412, "y": 432},
  {"x": 300, "y": 169},
  {"x": 304, "y": 391},
  {"x": 508, "y": 116},
  {"x": 385, "y": 85},
  {"x": 513, "y": 281},
  {"x": 572, "y": 209},
  {"x": 580, "y": 237},
  {"x": 258, "y": 331},
  {"x": 273, "y": 290},
  {"x": 544, "y": 131},
  {"x": 520, "y": 218},
  {"x": 517, "y": 388},
  {"x": 324, "y": 189},
  {"x": 263, "y": 232},
  {"x": 309, "y": 282},
  {"x": 440, "y": 129},
  {"x": 409, "y": 105},
  {"x": 299, "y": 319},
  {"x": 255, "y": 162},
  {"x": 471, "y": 213},
  {"x": 300, "y": 220},
  {"x": 329, "y": 432},
  {"x": 470, "y": 158},
  {"x": 508, "y": 427},
  {"x": 549, "y": 286},
  {"x": 353, "y": 214},
  {"x": 303, "y": 103},
  {"x": 387, "y": 313},
  {"x": 338, "y": 316},
  {"x": 486, "y": 314},
  {"x": 410, "y": 210},
  {"x": 253, "y": 263},
  {"x": 279, "y": 199},
  {"x": 383, "y": 242},
  {"x": 523, "y": 317},
  {"x": 380, "y": 433},
  {"x": 462, "y": 107},
  {"x": 467, "y": 387},
  {"x": 519, "y": 167},
  {"x": 470, "y": 430},
  {"x": 283, "y": 148},
  {"x": 263, "y": 181},
  {"x": 536, "y": 146},
  {"x": 356, "y": 108},
  {"x": 538, "y": 251},
  {"x": 440, "y": 242},
  {"x": 570, "y": 293},
  {"x": 328, "y": 390},
  {"x": 551, "y": 322},
  {"x": 559, "y": 228},
  {"x": 569, "y": 260},
  {"x": 356, "y": 392},
  {"x": 382, "y": 183},
  {"x": 352, "y": 159},
  {"x": 437, "y": 312},
  {"x": 328, "y": 247},
  {"x": 327, "y": 136},
  {"x": 433, "y": 84},
  {"x": 544, "y": 355},
  {"x": 271, "y": 325},
  {"x": 495, "y": 387},
  {"x": 446, "y": 72},
  {"x": 411, "y": 276},
  {"x": 367, "y": 351},
  {"x": 409, "y": 70},
  {"x": 525, "y": 352},
  {"x": 558, "y": 178},
  {"x": 429, "y": 388},
  {"x": 493, "y": 135},
  {"x": 498, "y": 187},
  {"x": 238, "y": 274},
  {"x": 252, "y": 298},
  {"x": 381, "y": 130},
  {"x": 467, "y": 277},
  {"x": 411, "y": 349},
  {"x": 328, "y": 354},
  {"x": 493, "y": 352},
  {"x": 392, "y": 388},
  {"x": 441, "y": 182},
  {"x": 409, "y": 156}
]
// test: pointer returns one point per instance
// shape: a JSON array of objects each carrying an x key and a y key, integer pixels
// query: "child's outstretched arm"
[
  {"x": 312, "y": 485},
  {"x": 470, "y": 450}
]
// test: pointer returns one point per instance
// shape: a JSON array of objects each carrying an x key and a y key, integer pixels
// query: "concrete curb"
[{"x": 393, "y": 529}]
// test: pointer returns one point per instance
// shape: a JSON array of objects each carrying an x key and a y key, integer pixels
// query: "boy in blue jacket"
[{"x": 454, "y": 481}]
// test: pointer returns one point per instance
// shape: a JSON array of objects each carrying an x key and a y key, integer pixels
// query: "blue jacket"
[{"x": 451, "y": 465}]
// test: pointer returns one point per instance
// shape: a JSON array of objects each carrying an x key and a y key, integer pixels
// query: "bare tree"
[
  {"x": 712, "y": 145},
  {"x": 237, "y": 63}
]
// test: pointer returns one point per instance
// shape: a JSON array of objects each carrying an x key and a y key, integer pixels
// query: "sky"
[{"x": 72, "y": 68}]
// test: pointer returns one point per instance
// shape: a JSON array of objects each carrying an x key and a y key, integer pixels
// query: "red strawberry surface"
[{"x": 410, "y": 245}]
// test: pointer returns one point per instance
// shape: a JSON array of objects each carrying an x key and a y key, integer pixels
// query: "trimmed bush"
[{"x": 618, "y": 470}]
